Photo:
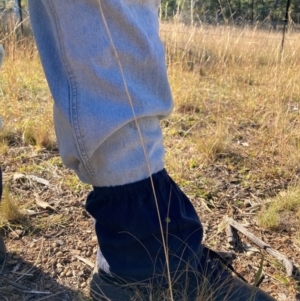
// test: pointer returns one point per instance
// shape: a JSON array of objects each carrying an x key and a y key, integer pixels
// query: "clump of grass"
[
  {"x": 45, "y": 139},
  {"x": 39, "y": 135},
  {"x": 3, "y": 148},
  {"x": 29, "y": 136},
  {"x": 9, "y": 209},
  {"x": 213, "y": 142},
  {"x": 9, "y": 137},
  {"x": 282, "y": 211}
]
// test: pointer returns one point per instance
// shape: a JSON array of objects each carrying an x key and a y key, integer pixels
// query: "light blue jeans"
[{"x": 94, "y": 121}]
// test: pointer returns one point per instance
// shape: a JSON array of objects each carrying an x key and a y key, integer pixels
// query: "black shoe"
[
  {"x": 212, "y": 282},
  {"x": 219, "y": 283},
  {"x": 107, "y": 288}
]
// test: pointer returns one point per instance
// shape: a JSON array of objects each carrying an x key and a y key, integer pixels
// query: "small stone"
[
  {"x": 54, "y": 260},
  {"x": 83, "y": 284},
  {"x": 75, "y": 268},
  {"x": 54, "y": 245},
  {"x": 60, "y": 254},
  {"x": 69, "y": 273},
  {"x": 18, "y": 232},
  {"x": 60, "y": 242},
  {"x": 55, "y": 250},
  {"x": 76, "y": 252}
]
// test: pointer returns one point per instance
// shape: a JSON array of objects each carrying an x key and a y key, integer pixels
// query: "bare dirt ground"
[{"x": 51, "y": 251}]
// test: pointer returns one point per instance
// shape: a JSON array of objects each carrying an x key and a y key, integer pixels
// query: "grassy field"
[
  {"x": 232, "y": 144},
  {"x": 236, "y": 103}
]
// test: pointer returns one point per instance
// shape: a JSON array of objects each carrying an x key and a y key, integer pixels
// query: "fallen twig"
[
  {"x": 285, "y": 261},
  {"x": 44, "y": 298},
  {"x": 86, "y": 261},
  {"x": 32, "y": 213},
  {"x": 231, "y": 239},
  {"x": 25, "y": 289}
]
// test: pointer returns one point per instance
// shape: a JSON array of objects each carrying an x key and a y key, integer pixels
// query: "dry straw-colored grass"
[
  {"x": 9, "y": 209},
  {"x": 235, "y": 91},
  {"x": 237, "y": 86},
  {"x": 26, "y": 104}
]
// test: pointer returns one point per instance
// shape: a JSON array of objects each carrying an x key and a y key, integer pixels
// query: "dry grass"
[
  {"x": 237, "y": 98},
  {"x": 26, "y": 104},
  {"x": 9, "y": 209},
  {"x": 236, "y": 119},
  {"x": 235, "y": 92}
]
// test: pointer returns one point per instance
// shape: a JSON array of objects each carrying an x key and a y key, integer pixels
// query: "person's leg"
[
  {"x": 127, "y": 225},
  {"x": 99, "y": 139},
  {"x": 98, "y": 135},
  {"x": 94, "y": 121}
]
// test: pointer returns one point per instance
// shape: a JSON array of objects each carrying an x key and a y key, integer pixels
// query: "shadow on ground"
[{"x": 21, "y": 280}]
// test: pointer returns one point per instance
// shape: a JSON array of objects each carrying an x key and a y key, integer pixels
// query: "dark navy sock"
[{"x": 128, "y": 231}]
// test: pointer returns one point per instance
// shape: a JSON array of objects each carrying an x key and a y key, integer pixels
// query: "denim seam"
[{"x": 73, "y": 99}]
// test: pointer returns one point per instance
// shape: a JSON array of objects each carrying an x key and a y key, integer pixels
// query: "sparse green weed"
[{"x": 282, "y": 211}]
